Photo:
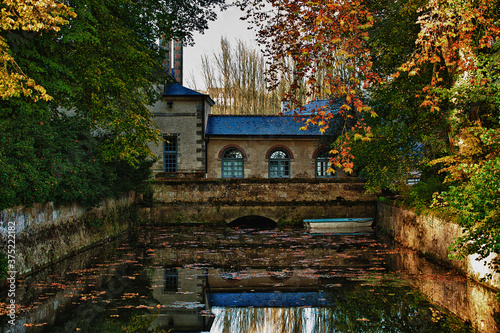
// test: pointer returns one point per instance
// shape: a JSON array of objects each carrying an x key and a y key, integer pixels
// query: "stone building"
[
  {"x": 199, "y": 144},
  {"x": 263, "y": 147},
  {"x": 181, "y": 117}
]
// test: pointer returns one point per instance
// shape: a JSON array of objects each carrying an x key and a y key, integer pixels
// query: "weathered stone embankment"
[
  {"x": 432, "y": 236},
  {"x": 44, "y": 234}
]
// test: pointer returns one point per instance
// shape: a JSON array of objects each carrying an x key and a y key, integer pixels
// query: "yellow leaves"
[
  {"x": 27, "y": 15},
  {"x": 13, "y": 84},
  {"x": 330, "y": 170},
  {"x": 414, "y": 72},
  {"x": 34, "y": 15}
]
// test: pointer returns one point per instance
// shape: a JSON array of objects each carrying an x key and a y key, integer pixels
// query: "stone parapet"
[
  {"x": 260, "y": 191},
  {"x": 224, "y": 200}
]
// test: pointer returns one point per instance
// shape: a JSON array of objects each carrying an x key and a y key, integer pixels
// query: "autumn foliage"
[
  {"x": 26, "y": 15},
  {"x": 428, "y": 68},
  {"x": 323, "y": 44}
]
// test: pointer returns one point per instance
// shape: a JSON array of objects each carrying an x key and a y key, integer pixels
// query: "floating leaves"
[{"x": 123, "y": 281}]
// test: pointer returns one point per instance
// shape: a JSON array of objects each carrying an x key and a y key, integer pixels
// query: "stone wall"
[
  {"x": 260, "y": 190},
  {"x": 181, "y": 117},
  {"x": 433, "y": 237},
  {"x": 42, "y": 234},
  {"x": 226, "y": 200},
  {"x": 302, "y": 161}
]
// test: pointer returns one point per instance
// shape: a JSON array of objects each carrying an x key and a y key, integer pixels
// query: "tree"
[
  {"x": 103, "y": 68},
  {"x": 458, "y": 39},
  {"x": 26, "y": 15},
  {"x": 429, "y": 69},
  {"x": 322, "y": 38},
  {"x": 473, "y": 171},
  {"x": 235, "y": 78},
  {"x": 406, "y": 137}
]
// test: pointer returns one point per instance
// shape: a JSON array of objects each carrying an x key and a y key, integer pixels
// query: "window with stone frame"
[
  {"x": 232, "y": 164},
  {"x": 323, "y": 165},
  {"x": 279, "y": 164},
  {"x": 170, "y": 149}
]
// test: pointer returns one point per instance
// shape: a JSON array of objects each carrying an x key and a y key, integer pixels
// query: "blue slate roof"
[
  {"x": 176, "y": 89},
  {"x": 324, "y": 105},
  {"x": 257, "y": 126}
]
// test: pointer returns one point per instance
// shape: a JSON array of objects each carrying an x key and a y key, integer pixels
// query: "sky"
[{"x": 228, "y": 24}]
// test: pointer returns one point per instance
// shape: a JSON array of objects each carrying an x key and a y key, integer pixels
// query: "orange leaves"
[
  {"x": 452, "y": 33},
  {"x": 329, "y": 55}
]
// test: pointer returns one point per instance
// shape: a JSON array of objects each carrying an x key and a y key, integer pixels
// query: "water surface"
[{"x": 199, "y": 279}]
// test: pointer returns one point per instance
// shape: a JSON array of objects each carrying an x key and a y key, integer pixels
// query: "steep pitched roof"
[
  {"x": 219, "y": 125},
  {"x": 175, "y": 89}
]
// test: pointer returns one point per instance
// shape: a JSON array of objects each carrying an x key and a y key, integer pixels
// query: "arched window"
[
  {"x": 279, "y": 164},
  {"x": 323, "y": 164},
  {"x": 232, "y": 163}
]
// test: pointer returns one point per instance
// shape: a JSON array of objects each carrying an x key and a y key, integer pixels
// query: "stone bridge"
[{"x": 223, "y": 200}]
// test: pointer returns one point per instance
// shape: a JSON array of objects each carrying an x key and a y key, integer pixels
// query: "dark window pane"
[
  {"x": 170, "y": 153},
  {"x": 170, "y": 162},
  {"x": 279, "y": 164},
  {"x": 171, "y": 282},
  {"x": 323, "y": 164},
  {"x": 170, "y": 144}
]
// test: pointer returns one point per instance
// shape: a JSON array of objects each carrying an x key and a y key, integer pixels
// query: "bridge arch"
[{"x": 253, "y": 222}]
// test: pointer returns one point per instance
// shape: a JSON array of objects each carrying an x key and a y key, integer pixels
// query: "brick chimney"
[{"x": 173, "y": 59}]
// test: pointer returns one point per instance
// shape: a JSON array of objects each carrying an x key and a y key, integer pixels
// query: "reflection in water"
[
  {"x": 272, "y": 320},
  {"x": 192, "y": 279}
]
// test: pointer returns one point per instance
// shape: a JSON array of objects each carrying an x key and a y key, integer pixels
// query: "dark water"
[{"x": 194, "y": 279}]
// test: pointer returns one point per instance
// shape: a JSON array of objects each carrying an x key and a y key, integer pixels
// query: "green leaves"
[
  {"x": 26, "y": 15},
  {"x": 103, "y": 68}
]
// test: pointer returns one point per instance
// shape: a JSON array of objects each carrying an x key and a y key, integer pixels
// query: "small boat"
[{"x": 340, "y": 225}]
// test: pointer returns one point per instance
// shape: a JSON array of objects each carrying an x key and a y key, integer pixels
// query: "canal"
[{"x": 208, "y": 279}]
